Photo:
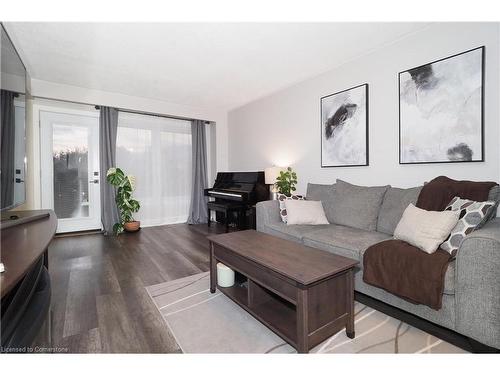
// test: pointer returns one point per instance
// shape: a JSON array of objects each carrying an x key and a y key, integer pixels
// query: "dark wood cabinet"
[{"x": 25, "y": 284}]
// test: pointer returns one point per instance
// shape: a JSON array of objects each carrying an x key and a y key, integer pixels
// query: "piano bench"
[{"x": 227, "y": 208}]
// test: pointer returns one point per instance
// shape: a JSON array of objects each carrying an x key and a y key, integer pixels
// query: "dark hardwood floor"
[{"x": 99, "y": 303}]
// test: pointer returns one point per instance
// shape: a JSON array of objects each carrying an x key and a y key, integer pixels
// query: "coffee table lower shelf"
[{"x": 274, "y": 312}]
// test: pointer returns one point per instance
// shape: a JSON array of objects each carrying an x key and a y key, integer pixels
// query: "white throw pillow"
[
  {"x": 282, "y": 198},
  {"x": 425, "y": 229},
  {"x": 305, "y": 212}
]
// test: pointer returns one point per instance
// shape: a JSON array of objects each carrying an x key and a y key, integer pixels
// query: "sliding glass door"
[
  {"x": 157, "y": 151},
  {"x": 70, "y": 169}
]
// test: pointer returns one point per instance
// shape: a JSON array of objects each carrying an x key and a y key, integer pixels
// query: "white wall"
[
  {"x": 13, "y": 82},
  {"x": 284, "y": 128}
]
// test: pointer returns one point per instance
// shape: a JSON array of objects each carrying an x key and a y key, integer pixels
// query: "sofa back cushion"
[
  {"x": 323, "y": 193},
  {"x": 357, "y": 206},
  {"x": 394, "y": 204}
]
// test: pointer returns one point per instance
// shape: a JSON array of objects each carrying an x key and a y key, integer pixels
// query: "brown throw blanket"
[
  {"x": 407, "y": 271},
  {"x": 436, "y": 194}
]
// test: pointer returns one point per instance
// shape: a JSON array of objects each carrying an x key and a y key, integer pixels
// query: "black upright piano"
[{"x": 235, "y": 195}]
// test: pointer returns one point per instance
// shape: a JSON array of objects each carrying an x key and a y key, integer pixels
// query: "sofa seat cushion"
[
  {"x": 296, "y": 232},
  {"x": 342, "y": 240}
]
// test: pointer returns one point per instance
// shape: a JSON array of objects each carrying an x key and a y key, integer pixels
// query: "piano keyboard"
[{"x": 211, "y": 192}]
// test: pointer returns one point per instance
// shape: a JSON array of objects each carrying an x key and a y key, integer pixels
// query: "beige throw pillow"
[
  {"x": 425, "y": 229},
  {"x": 305, "y": 212},
  {"x": 282, "y": 198}
]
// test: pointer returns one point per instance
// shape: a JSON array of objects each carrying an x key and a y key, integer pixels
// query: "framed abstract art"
[
  {"x": 441, "y": 110},
  {"x": 344, "y": 128}
]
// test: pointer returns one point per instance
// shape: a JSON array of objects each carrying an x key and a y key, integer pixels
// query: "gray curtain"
[
  {"x": 108, "y": 127},
  {"x": 7, "y": 140},
  {"x": 198, "y": 206}
]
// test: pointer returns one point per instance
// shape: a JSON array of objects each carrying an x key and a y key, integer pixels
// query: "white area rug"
[{"x": 202, "y": 322}]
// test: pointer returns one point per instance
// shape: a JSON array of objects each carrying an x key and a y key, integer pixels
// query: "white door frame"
[
  {"x": 20, "y": 153},
  {"x": 46, "y": 169}
]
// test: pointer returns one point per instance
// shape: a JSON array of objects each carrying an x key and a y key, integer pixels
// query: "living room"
[{"x": 240, "y": 186}]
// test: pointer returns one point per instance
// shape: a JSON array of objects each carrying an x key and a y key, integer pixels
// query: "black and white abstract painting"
[
  {"x": 441, "y": 110},
  {"x": 344, "y": 128}
]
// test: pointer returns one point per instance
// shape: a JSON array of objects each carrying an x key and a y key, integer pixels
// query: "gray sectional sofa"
[{"x": 471, "y": 299}]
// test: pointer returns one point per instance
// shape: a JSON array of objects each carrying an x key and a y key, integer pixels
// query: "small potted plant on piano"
[
  {"x": 286, "y": 182},
  {"x": 127, "y": 205}
]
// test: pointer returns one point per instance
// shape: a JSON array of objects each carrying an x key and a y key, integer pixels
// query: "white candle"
[{"x": 225, "y": 276}]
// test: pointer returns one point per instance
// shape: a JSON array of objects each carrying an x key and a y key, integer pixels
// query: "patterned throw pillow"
[
  {"x": 282, "y": 198},
  {"x": 472, "y": 216}
]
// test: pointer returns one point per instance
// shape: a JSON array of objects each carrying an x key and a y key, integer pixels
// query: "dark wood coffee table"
[{"x": 303, "y": 294}]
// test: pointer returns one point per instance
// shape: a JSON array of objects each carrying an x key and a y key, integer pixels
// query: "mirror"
[{"x": 12, "y": 123}]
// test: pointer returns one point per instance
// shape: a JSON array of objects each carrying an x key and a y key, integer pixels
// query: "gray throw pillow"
[
  {"x": 357, "y": 206},
  {"x": 472, "y": 216},
  {"x": 394, "y": 204},
  {"x": 323, "y": 193}
]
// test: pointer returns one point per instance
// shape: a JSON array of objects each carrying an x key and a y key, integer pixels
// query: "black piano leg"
[
  {"x": 226, "y": 213},
  {"x": 208, "y": 221},
  {"x": 241, "y": 220}
]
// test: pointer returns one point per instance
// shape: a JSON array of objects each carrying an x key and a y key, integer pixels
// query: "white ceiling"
[{"x": 221, "y": 65}]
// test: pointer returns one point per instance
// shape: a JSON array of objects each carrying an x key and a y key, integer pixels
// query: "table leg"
[
  {"x": 302, "y": 321},
  {"x": 349, "y": 329},
  {"x": 213, "y": 269}
]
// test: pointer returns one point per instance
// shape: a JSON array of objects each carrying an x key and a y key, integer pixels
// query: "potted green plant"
[
  {"x": 286, "y": 181},
  {"x": 127, "y": 205}
]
